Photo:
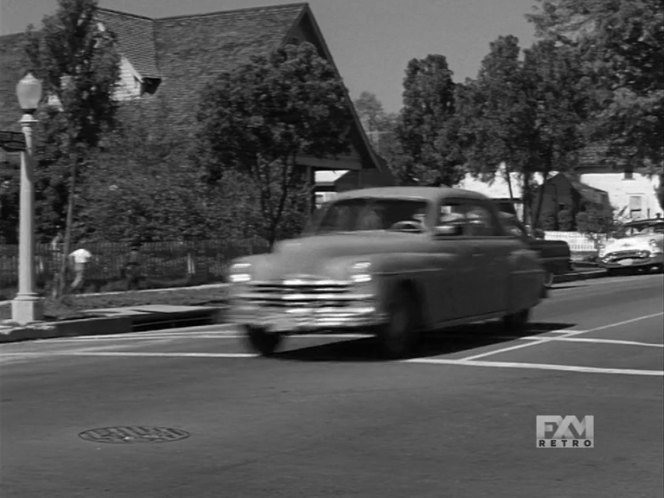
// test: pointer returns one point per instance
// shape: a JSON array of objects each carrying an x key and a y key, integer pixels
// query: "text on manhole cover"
[{"x": 134, "y": 434}]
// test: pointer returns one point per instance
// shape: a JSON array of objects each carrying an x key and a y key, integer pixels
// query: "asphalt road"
[{"x": 327, "y": 417}]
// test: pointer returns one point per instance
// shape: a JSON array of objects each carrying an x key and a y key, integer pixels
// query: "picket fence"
[
  {"x": 578, "y": 242},
  {"x": 178, "y": 262}
]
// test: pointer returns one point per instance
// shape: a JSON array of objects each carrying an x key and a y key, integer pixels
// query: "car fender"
[{"x": 526, "y": 280}]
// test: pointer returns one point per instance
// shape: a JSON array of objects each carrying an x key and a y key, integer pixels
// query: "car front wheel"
[
  {"x": 399, "y": 336},
  {"x": 262, "y": 341},
  {"x": 518, "y": 321}
]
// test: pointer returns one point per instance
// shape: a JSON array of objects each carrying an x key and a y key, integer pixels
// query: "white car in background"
[{"x": 638, "y": 244}]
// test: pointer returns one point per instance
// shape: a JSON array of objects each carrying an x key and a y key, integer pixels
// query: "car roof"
[
  {"x": 650, "y": 221},
  {"x": 425, "y": 193}
]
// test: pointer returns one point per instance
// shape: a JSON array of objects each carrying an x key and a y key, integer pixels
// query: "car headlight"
[
  {"x": 240, "y": 273},
  {"x": 360, "y": 272},
  {"x": 654, "y": 246},
  {"x": 601, "y": 249}
]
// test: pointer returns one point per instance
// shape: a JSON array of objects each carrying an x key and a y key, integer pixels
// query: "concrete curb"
[
  {"x": 117, "y": 321},
  {"x": 579, "y": 275}
]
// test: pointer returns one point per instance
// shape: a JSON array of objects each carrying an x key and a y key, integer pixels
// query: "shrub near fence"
[{"x": 161, "y": 263}]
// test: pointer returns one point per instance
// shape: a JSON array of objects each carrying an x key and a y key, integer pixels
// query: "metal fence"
[{"x": 160, "y": 263}]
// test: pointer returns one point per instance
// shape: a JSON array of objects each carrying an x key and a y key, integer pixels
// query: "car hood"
[
  {"x": 329, "y": 256},
  {"x": 635, "y": 243}
]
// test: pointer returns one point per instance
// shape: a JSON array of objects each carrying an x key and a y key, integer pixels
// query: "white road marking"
[
  {"x": 600, "y": 341},
  {"x": 129, "y": 354},
  {"x": 625, "y": 322},
  {"x": 430, "y": 361},
  {"x": 564, "y": 333},
  {"x": 536, "y": 366},
  {"x": 535, "y": 341}
]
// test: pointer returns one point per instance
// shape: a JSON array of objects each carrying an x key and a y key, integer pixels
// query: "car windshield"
[
  {"x": 513, "y": 225},
  {"x": 632, "y": 230},
  {"x": 351, "y": 215}
]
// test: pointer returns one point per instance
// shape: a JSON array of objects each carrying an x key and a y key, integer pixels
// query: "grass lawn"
[{"x": 74, "y": 306}]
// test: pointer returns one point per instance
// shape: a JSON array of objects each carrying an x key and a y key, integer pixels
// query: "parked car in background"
[
  {"x": 637, "y": 245},
  {"x": 393, "y": 261},
  {"x": 555, "y": 255}
]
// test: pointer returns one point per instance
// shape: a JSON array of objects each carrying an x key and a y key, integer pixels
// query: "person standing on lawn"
[
  {"x": 132, "y": 270},
  {"x": 80, "y": 259}
]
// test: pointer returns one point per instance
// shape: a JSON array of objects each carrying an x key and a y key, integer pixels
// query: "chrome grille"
[
  {"x": 628, "y": 254},
  {"x": 300, "y": 294}
]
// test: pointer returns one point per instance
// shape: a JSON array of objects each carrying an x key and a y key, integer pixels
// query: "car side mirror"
[{"x": 447, "y": 230}]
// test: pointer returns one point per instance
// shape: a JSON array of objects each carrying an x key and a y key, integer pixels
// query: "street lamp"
[{"x": 27, "y": 306}]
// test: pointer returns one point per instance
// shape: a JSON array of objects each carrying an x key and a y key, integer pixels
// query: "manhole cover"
[{"x": 134, "y": 434}]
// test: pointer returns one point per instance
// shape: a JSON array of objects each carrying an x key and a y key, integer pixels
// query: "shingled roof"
[
  {"x": 193, "y": 50},
  {"x": 186, "y": 52},
  {"x": 135, "y": 38}
]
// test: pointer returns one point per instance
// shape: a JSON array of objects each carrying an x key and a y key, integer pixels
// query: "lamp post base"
[{"x": 27, "y": 309}]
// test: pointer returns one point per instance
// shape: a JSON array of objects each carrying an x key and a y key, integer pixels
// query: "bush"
[
  {"x": 595, "y": 219},
  {"x": 565, "y": 220},
  {"x": 549, "y": 222}
]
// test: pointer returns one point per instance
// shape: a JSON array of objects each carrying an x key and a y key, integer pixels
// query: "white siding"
[
  {"x": 498, "y": 188},
  {"x": 129, "y": 86},
  {"x": 620, "y": 191}
]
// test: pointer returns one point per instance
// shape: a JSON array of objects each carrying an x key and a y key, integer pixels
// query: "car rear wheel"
[
  {"x": 548, "y": 278},
  {"x": 518, "y": 321},
  {"x": 399, "y": 336},
  {"x": 262, "y": 341}
]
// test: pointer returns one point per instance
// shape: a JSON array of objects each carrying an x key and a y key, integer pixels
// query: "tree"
[
  {"x": 525, "y": 114},
  {"x": 595, "y": 219},
  {"x": 423, "y": 132},
  {"x": 142, "y": 187},
  {"x": 262, "y": 116},
  {"x": 378, "y": 125},
  {"x": 370, "y": 111},
  {"x": 621, "y": 46},
  {"x": 79, "y": 65}
]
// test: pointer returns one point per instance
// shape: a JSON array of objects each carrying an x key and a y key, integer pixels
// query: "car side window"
[
  {"x": 452, "y": 213},
  {"x": 513, "y": 227},
  {"x": 481, "y": 221}
]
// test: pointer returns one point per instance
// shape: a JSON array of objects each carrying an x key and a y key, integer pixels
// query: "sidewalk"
[
  {"x": 115, "y": 321},
  {"x": 158, "y": 316}
]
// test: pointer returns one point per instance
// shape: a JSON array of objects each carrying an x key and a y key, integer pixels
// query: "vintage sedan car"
[
  {"x": 393, "y": 261},
  {"x": 637, "y": 245}
]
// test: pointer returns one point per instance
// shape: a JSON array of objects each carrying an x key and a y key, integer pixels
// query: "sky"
[{"x": 371, "y": 41}]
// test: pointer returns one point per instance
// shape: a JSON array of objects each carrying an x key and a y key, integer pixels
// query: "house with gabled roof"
[{"x": 167, "y": 62}]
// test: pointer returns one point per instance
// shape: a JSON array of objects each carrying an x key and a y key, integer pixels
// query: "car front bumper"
[
  {"x": 302, "y": 306},
  {"x": 302, "y": 320},
  {"x": 617, "y": 261}
]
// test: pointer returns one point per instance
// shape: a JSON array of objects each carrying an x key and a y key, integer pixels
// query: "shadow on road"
[
  {"x": 569, "y": 286},
  {"x": 446, "y": 341}
]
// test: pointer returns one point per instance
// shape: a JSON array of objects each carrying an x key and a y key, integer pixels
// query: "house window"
[
  {"x": 635, "y": 206},
  {"x": 149, "y": 85}
]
